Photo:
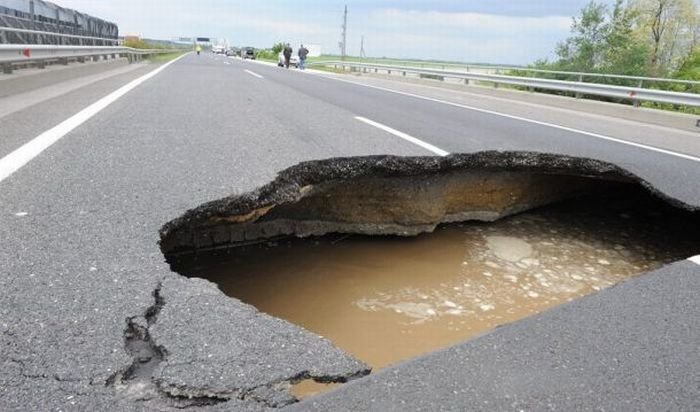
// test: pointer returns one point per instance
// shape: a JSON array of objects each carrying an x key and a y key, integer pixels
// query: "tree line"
[{"x": 653, "y": 38}]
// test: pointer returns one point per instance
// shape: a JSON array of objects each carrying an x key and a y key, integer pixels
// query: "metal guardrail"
[
  {"x": 38, "y": 35},
  {"x": 12, "y": 55},
  {"x": 580, "y": 76},
  {"x": 634, "y": 94}
]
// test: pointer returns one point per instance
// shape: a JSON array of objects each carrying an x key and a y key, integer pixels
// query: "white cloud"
[
  {"x": 394, "y": 32},
  {"x": 418, "y": 20},
  {"x": 472, "y": 37}
]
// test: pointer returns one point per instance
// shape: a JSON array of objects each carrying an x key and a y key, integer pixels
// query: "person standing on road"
[
  {"x": 303, "y": 52},
  {"x": 287, "y": 55}
]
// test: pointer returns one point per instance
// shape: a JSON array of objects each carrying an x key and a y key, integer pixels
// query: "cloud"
[
  {"x": 473, "y": 37},
  {"x": 436, "y": 30},
  {"x": 438, "y": 20}
]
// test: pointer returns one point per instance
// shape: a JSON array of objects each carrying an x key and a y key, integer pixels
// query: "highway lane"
[
  {"x": 32, "y": 109},
  {"x": 458, "y": 129},
  {"x": 79, "y": 227}
]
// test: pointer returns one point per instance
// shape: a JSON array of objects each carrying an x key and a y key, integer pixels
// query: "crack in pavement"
[
  {"x": 272, "y": 394},
  {"x": 138, "y": 381}
]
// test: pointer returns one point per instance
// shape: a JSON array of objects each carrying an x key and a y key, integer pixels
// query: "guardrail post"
[
  {"x": 63, "y": 61},
  {"x": 637, "y": 102},
  {"x": 7, "y": 68},
  {"x": 580, "y": 80}
]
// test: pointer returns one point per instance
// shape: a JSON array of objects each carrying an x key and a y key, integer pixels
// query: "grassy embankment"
[{"x": 155, "y": 58}]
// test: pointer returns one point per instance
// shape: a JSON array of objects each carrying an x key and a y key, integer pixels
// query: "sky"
[{"x": 486, "y": 31}]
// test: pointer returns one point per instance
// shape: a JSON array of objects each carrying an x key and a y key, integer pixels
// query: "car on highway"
[
  {"x": 293, "y": 61},
  {"x": 248, "y": 53},
  {"x": 233, "y": 51}
]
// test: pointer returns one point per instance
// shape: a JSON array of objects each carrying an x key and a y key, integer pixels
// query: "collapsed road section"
[{"x": 385, "y": 298}]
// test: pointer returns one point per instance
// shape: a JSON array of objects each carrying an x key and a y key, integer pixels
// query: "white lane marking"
[
  {"x": 253, "y": 74},
  {"x": 25, "y": 153},
  {"x": 403, "y": 135},
  {"x": 695, "y": 259},
  {"x": 524, "y": 119}
]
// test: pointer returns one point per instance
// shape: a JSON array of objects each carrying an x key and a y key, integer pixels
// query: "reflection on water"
[{"x": 386, "y": 299}]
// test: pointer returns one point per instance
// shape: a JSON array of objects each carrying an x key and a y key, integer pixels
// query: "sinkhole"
[{"x": 391, "y": 259}]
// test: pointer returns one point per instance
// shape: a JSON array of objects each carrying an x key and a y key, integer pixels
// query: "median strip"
[{"x": 404, "y": 136}]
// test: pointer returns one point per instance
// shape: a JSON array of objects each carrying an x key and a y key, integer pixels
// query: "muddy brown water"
[{"x": 386, "y": 299}]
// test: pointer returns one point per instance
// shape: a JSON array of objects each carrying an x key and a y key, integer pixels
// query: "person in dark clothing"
[
  {"x": 303, "y": 52},
  {"x": 287, "y": 54}
]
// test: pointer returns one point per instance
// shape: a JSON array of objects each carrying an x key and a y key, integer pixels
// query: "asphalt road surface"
[{"x": 81, "y": 274}]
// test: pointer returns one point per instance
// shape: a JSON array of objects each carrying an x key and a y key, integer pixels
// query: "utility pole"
[
  {"x": 343, "y": 42},
  {"x": 362, "y": 47}
]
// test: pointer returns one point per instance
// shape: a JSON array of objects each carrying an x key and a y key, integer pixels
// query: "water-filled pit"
[{"x": 385, "y": 299}]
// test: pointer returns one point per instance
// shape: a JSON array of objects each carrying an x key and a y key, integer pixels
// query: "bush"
[{"x": 266, "y": 54}]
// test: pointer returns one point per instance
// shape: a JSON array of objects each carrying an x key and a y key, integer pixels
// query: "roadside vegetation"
[
  {"x": 165, "y": 57},
  {"x": 646, "y": 38},
  {"x": 156, "y": 58},
  {"x": 271, "y": 53}
]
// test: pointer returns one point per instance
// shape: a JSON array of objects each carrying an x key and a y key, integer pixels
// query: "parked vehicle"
[
  {"x": 248, "y": 53},
  {"x": 293, "y": 61}
]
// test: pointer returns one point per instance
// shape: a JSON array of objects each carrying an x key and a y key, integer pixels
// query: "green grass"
[
  {"x": 386, "y": 60},
  {"x": 266, "y": 59},
  {"x": 166, "y": 57}
]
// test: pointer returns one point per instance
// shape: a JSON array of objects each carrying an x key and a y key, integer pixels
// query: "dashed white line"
[
  {"x": 25, "y": 153},
  {"x": 404, "y": 136},
  {"x": 695, "y": 259},
  {"x": 253, "y": 74},
  {"x": 524, "y": 119}
]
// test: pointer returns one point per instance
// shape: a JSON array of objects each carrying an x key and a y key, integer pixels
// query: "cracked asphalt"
[{"x": 82, "y": 275}]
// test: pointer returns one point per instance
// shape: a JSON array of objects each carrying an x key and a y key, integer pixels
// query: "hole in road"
[
  {"x": 343, "y": 247},
  {"x": 389, "y": 298}
]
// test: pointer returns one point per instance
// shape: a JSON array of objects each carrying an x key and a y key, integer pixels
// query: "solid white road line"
[
  {"x": 524, "y": 119},
  {"x": 25, "y": 153},
  {"x": 404, "y": 136},
  {"x": 253, "y": 74},
  {"x": 695, "y": 259}
]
